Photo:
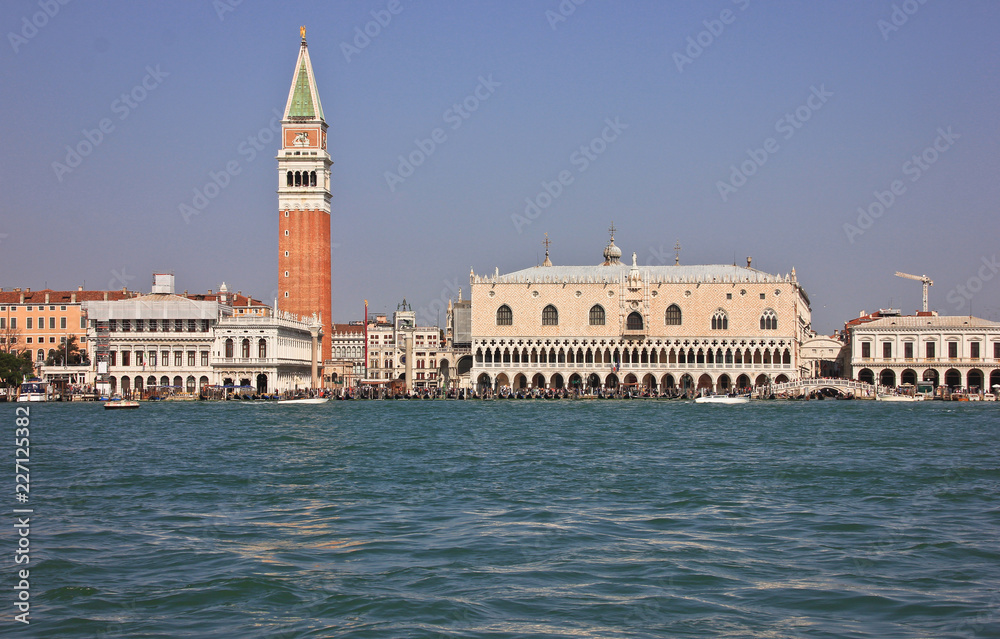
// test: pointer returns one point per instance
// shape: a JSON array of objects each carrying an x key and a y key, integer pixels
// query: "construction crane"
[{"x": 923, "y": 279}]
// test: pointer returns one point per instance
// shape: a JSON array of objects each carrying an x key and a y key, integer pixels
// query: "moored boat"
[
  {"x": 722, "y": 399},
  {"x": 32, "y": 390},
  {"x": 120, "y": 403},
  {"x": 898, "y": 398}
]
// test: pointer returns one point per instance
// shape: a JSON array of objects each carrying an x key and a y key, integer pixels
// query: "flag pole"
[{"x": 365, "y": 368}]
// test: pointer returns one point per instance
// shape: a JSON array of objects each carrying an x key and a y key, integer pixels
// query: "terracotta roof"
[
  {"x": 62, "y": 297},
  {"x": 65, "y": 297},
  {"x": 236, "y": 299},
  {"x": 348, "y": 328}
]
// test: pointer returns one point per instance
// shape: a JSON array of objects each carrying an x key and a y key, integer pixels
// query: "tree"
[
  {"x": 9, "y": 337},
  {"x": 70, "y": 348},
  {"x": 14, "y": 367}
]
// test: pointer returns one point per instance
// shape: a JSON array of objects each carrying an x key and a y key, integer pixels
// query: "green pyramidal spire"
[{"x": 303, "y": 100}]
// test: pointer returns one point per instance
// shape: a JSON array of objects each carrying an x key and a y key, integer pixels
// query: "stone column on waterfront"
[
  {"x": 316, "y": 331},
  {"x": 409, "y": 360}
]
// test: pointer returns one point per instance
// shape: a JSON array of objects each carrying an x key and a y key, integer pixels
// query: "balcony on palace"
[
  {"x": 627, "y": 366},
  {"x": 255, "y": 361}
]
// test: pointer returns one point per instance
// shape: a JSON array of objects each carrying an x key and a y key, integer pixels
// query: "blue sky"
[{"x": 740, "y": 129}]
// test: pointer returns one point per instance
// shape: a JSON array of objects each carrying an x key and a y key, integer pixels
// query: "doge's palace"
[{"x": 663, "y": 328}]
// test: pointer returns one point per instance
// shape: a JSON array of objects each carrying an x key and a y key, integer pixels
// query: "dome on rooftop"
[{"x": 612, "y": 254}]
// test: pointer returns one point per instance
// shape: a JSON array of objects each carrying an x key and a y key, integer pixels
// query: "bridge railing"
[{"x": 817, "y": 382}]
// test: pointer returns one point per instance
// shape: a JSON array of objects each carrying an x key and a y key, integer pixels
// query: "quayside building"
[
  {"x": 663, "y": 328},
  {"x": 957, "y": 351},
  {"x": 167, "y": 343}
]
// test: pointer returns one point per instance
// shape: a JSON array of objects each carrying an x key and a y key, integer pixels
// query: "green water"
[{"x": 511, "y": 519}]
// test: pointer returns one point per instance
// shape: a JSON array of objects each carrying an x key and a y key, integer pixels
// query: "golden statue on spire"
[{"x": 302, "y": 32}]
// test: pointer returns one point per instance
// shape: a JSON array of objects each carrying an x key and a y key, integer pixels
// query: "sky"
[{"x": 846, "y": 139}]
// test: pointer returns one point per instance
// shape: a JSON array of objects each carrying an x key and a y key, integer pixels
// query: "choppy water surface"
[{"x": 514, "y": 519}]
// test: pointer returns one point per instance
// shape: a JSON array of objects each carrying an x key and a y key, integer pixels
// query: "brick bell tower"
[{"x": 304, "y": 270}]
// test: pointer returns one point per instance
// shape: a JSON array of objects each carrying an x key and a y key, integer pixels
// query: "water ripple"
[{"x": 516, "y": 519}]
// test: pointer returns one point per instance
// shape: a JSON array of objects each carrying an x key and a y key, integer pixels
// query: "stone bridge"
[{"x": 807, "y": 385}]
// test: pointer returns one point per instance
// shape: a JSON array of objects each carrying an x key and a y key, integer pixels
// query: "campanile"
[{"x": 304, "y": 273}]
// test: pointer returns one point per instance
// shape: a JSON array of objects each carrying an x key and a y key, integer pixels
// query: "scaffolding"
[{"x": 102, "y": 350}]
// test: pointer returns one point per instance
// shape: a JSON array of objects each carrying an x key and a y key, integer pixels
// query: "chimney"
[
  {"x": 79, "y": 288},
  {"x": 105, "y": 296},
  {"x": 27, "y": 290},
  {"x": 72, "y": 298},
  {"x": 46, "y": 298},
  {"x": 749, "y": 261},
  {"x": 22, "y": 296}
]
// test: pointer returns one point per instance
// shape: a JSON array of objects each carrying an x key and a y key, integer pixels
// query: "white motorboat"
[
  {"x": 304, "y": 400},
  {"x": 32, "y": 391},
  {"x": 722, "y": 399},
  {"x": 120, "y": 403},
  {"x": 898, "y": 398}
]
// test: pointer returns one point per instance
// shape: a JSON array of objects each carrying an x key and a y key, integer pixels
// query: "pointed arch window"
[
  {"x": 505, "y": 317},
  {"x": 720, "y": 321},
  {"x": 673, "y": 316},
  {"x": 769, "y": 320},
  {"x": 634, "y": 321},
  {"x": 550, "y": 316},
  {"x": 597, "y": 315}
]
